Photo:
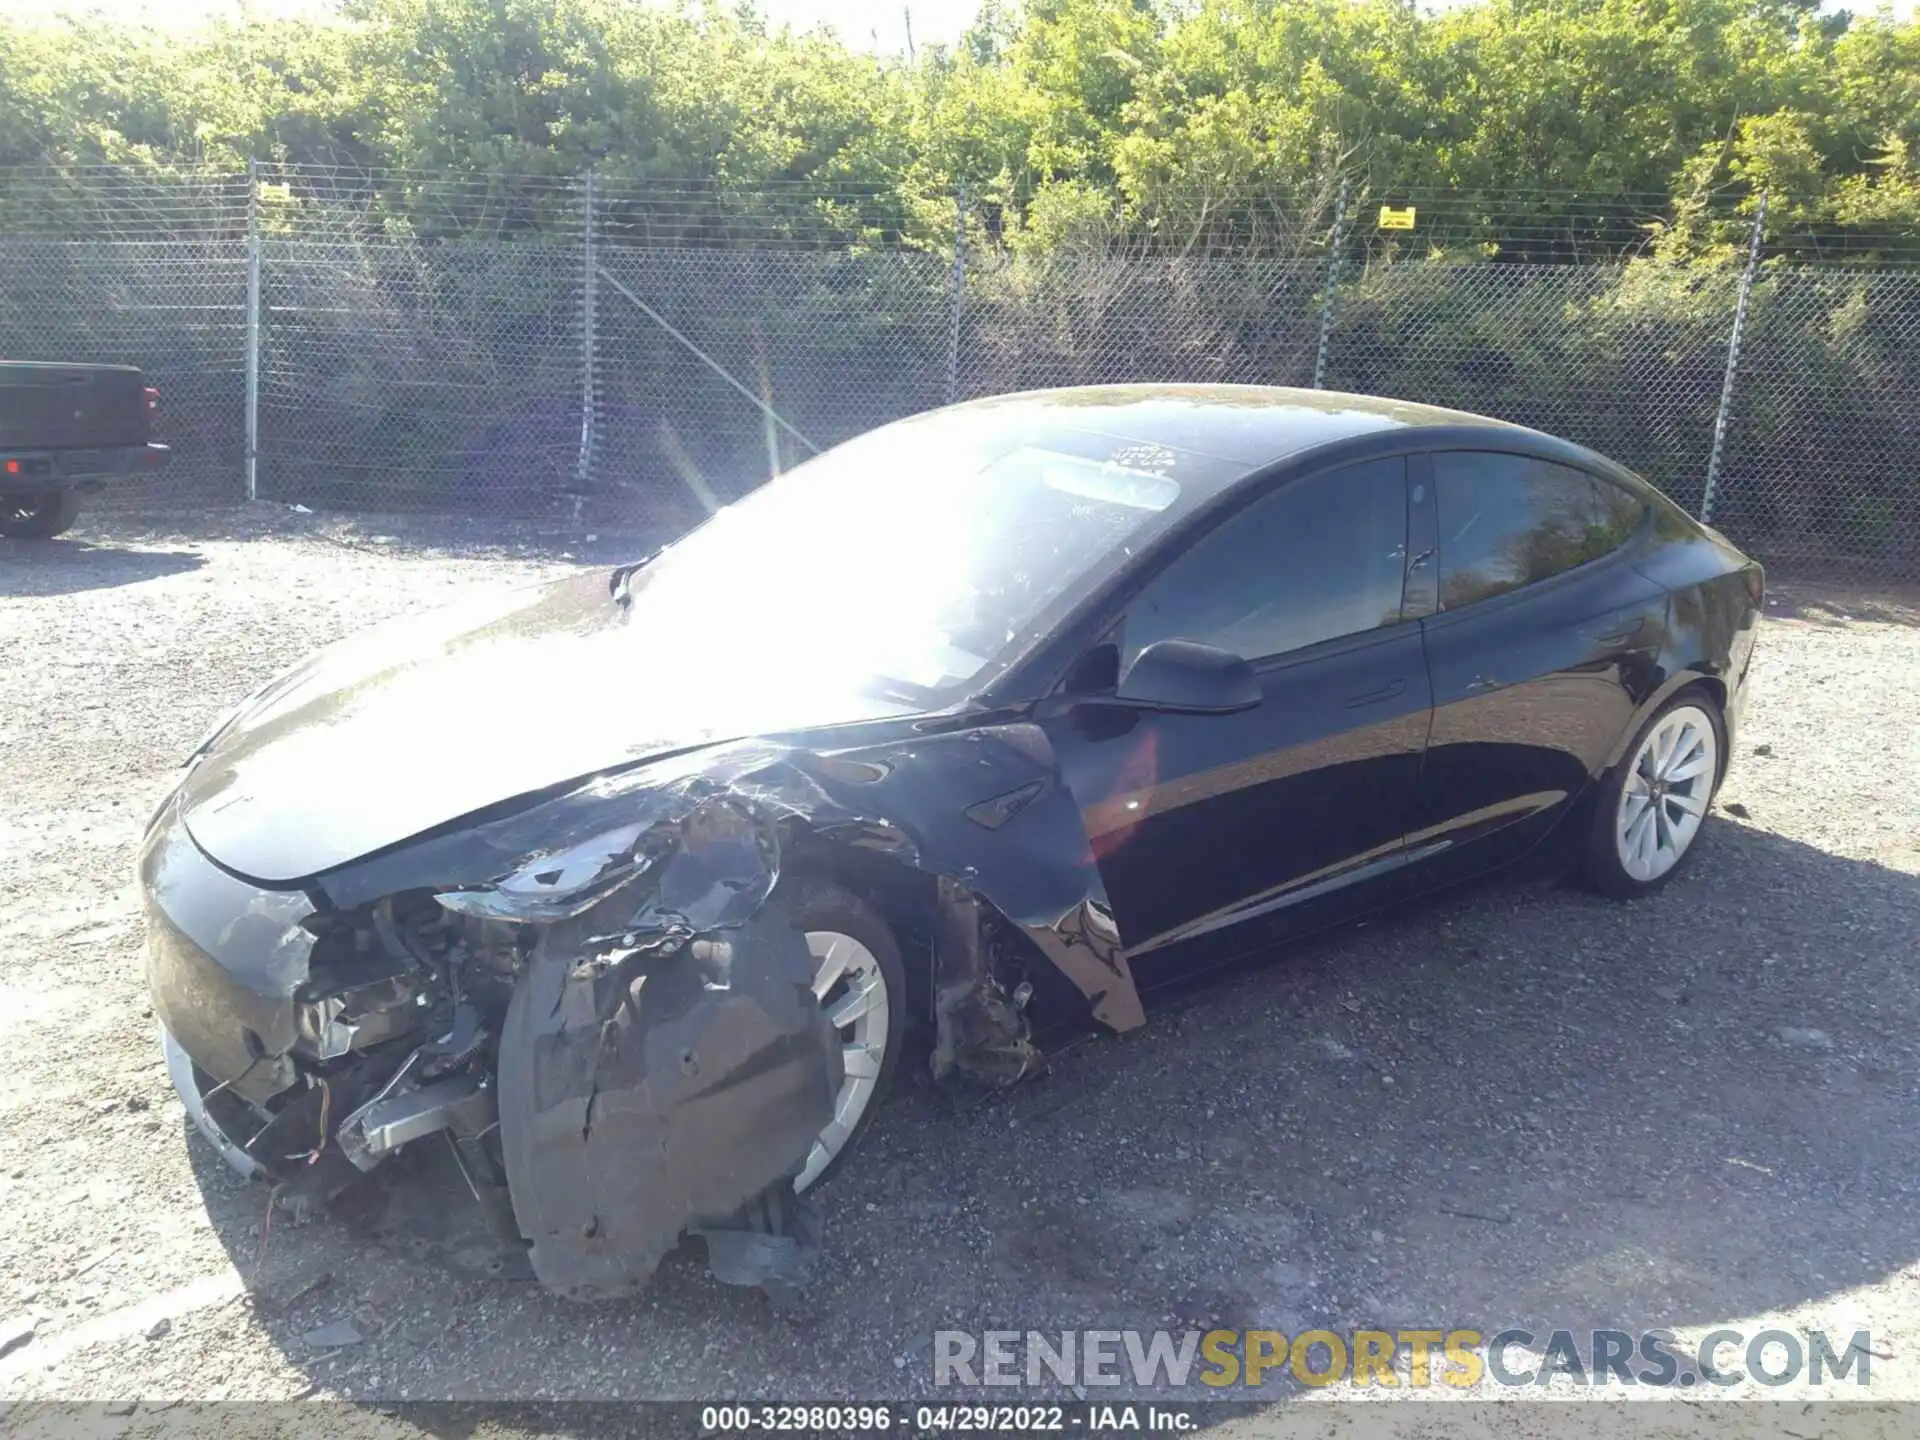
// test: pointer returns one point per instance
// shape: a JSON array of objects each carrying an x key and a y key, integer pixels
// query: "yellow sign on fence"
[
  {"x": 270, "y": 191},
  {"x": 1392, "y": 219}
]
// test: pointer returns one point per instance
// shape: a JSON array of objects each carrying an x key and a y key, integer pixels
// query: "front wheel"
[
  {"x": 1653, "y": 803},
  {"x": 38, "y": 517},
  {"x": 859, "y": 981}
]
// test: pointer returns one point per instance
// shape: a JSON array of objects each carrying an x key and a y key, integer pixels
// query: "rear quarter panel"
[{"x": 1713, "y": 621}]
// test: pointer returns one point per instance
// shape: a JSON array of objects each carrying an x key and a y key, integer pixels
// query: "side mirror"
[{"x": 1186, "y": 677}]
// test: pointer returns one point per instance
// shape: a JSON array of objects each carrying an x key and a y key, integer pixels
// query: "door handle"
[
  {"x": 1374, "y": 697},
  {"x": 1619, "y": 635}
]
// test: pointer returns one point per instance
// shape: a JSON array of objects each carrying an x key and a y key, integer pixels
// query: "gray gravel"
[{"x": 1519, "y": 1104}]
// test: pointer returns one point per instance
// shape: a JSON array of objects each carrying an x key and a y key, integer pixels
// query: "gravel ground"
[{"x": 1520, "y": 1104}]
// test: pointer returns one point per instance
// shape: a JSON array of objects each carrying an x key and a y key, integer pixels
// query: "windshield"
[{"x": 920, "y": 556}]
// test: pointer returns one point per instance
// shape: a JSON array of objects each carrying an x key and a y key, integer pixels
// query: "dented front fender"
[
  {"x": 982, "y": 806},
  {"x": 663, "y": 1066}
]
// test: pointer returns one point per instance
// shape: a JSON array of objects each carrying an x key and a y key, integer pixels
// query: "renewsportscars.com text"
[{"x": 1390, "y": 1359}]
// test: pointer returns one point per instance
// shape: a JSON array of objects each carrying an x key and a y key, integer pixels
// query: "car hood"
[{"x": 425, "y": 720}]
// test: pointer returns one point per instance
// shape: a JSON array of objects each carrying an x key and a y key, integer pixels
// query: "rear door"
[
  {"x": 1541, "y": 641},
  {"x": 1202, "y": 822}
]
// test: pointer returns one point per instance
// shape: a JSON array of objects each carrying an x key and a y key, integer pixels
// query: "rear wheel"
[
  {"x": 38, "y": 517},
  {"x": 859, "y": 980},
  {"x": 1652, "y": 805}
]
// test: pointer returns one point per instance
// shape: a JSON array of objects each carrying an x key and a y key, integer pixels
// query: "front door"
[{"x": 1233, "y": 826}]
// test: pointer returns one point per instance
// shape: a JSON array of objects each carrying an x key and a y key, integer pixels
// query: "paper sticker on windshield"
[
  {"x": 1103, "y": 480},
  {"x": 939, "y": 664}
]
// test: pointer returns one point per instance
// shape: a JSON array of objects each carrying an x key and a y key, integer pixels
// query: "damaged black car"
[{"x": 636, "y": 888}]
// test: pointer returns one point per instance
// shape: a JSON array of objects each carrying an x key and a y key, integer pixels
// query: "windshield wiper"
[{"x": 617, "y": 582}]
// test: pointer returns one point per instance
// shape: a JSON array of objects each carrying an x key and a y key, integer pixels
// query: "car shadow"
[
  {"x": 1517, "y": 1105},
  {"x": 69, "y": 566}
]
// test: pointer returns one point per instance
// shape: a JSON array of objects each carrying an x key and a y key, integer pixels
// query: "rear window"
[{"x": 1507, "y": 521}]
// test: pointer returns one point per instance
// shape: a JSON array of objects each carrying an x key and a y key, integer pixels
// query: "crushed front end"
[
  {"x": 664, "y": 1052},
  {"x": 594, "y": 998}
]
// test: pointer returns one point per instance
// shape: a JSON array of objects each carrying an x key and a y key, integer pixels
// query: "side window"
[
  {"x": 1509, "y": 520},
  {"x": 1317, "y": 559},
  {"x": 1616, "y": 515}
]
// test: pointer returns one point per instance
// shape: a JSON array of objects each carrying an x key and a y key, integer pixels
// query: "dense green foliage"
[
  {"x": 1151, "y": 185},
  {"x": 1173, "y": 113}
]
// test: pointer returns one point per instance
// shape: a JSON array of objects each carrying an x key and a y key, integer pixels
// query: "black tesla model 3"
[{"x": 631, "y": 886}]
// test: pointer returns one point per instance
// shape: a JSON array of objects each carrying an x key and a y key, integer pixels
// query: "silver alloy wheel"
[
  {"x": 849, "y": 982},
  {"x": 1666, "y": 794}
]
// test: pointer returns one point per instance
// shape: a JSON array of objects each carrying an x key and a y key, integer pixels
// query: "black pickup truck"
[{"x": 66, "y": 430}]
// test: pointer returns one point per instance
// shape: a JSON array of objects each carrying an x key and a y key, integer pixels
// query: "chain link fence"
[
  {"x": 176, "y": 309},
  {"x": 99, "y": 267},
  {"x": 1097, "y": 319},
  {"x": 1823, "y": 452},
  {"x": 644, "y": 352},
  {"x": 714, "y": 368},
  {"x": 1628, "y": 359},
  {"x": 408, "y": 375}
]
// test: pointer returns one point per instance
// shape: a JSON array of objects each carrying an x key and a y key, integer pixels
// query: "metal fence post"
[
  {"x": 1733, "y": 361},
  {"x": 1333, "y": 284},
  {"x": 959, "y": 292},
  {"x": 589, "y": 344},
  {"x": 253, "y": 330}
]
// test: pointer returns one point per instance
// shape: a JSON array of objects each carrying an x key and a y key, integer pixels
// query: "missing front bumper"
[{"x": 636, "y": 1105}]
